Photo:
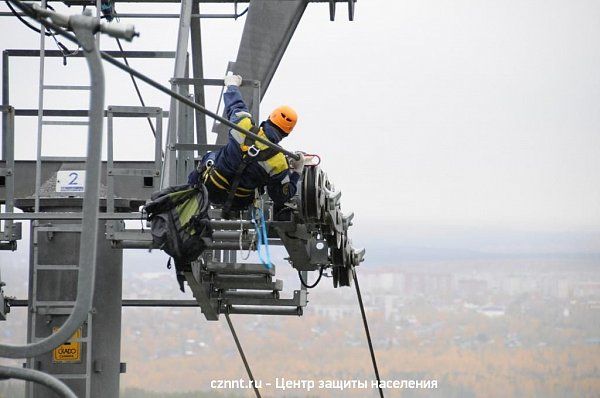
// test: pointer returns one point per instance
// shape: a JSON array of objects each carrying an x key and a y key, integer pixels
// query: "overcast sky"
[{"x": 466, "y": 115}]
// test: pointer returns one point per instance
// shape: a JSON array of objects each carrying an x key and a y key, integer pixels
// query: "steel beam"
[
  {"x": 258, "y": 310},
  {"x": 159, "y": 303},
  {"x": 267, "y": 33},
  {"x": 169, "y": 171},
  {"x": 201, "y": 293},
  {"x": 92, "y": 2},
  {"x": 185, "y": 134},
  {"x": 74, "y": 113},
  {"x": 68, "y": 216},
  {"x": 195, "y": 15},
  {"x": 58, "y": 54},
  {"x": 131, "y": 303},
  {"x": 8, "y": 148},
  {"x": 5, "y": 100},
  {"x": 198, "y": 73}
]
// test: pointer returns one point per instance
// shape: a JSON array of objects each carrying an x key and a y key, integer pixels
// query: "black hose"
[
  {"x": 20, "y": 18},
  {"x": 62, "y": 48},
  {"x": 314, "y": 284}
]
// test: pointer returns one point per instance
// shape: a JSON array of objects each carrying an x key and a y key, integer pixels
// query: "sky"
[{"x": 453, "y": 124}]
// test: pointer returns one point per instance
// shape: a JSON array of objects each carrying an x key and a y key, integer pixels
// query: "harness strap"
[
  {"x": 246, "y": 160},
  {"x": 222, "y": 183},
  {"x": 250, "y": 154}
]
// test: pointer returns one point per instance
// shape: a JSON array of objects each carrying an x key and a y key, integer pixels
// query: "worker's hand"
[
  {"x": 233, "y": 80},
  {"x": 194, "y": 178},
  {"x": 297, "y": 165}
]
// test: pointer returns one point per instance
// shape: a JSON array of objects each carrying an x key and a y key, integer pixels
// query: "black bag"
[{"x": 180, "y": 224}]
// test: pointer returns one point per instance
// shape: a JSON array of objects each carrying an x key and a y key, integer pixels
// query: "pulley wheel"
[{"x": 310, "y": 198}]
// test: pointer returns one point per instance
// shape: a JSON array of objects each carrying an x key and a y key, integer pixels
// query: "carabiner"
[{"x": 253, "y": 151}]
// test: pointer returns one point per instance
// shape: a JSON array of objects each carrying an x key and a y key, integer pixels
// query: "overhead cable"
[
  {"x": 137, "y": 89},
  {"x": 241, "y": 351},
  {"x": 61, "y": 47},
  {"x": 365, "y": 323},
  {"x": 23, "y": 20},
  {"x": 33, "y": 14}
]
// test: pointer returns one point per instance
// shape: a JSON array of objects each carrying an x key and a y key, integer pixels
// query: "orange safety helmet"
[{"x": 284, "y": 117}]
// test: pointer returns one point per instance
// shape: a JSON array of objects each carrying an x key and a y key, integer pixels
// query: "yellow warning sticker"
[{"x": 68, "y": 352}]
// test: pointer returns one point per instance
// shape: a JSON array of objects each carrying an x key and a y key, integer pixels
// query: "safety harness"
[{"x": 250, "y": 154}]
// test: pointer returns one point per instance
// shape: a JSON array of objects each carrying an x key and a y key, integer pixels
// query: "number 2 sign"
[{"x": 70, "y": 181}]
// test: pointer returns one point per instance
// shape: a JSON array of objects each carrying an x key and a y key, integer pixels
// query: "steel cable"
[
  {"x": 137, "y": 89},
  {"x": 241, "y": 351},
  {"x": 364, "y": 318}
]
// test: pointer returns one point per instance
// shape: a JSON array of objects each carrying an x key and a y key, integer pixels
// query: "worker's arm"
[
  {"x": 234, "y": 104},
  {"x": 283, "y": 186}
]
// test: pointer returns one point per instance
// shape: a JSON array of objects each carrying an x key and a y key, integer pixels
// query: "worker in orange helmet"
[{"x": 233, "y": 173}]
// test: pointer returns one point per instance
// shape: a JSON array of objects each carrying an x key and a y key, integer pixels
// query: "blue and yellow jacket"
[{"x": 274, "y": 173}]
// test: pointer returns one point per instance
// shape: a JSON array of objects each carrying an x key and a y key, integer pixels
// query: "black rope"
[
  {"x": 137, "y": 89},
  {"x": 61, "y": 47},
  {"x": 23, "y": 20},
  {"x": 242, "y": 13},
  {"x": 314, "y": 284},
  {"x": 239, "y": 347},
  {"x": 364, "y": 318}
]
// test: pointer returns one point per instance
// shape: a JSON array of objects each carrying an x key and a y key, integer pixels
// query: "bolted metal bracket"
[
  {"x": 112, "y": 227},
  {"x": 4, "y": 303},
  {"x": 351, "y": 4},
  {"x": 351, "y": 10}
]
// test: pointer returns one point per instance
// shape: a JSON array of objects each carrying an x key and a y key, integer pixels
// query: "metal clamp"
[{"x": 116, "y": 30}]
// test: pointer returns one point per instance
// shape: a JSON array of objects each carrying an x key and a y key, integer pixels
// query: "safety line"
[
  {"x": 239, "y": 347},
  {"x": 364, "y": 318},
  {"x": 137, "y": 89}
]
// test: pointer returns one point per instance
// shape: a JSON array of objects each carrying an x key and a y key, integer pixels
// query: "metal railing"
[
  {"x": 36, "y": 376},
  {"x": 11, "y": 231},
  {"x": 84, "y": 27}
]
